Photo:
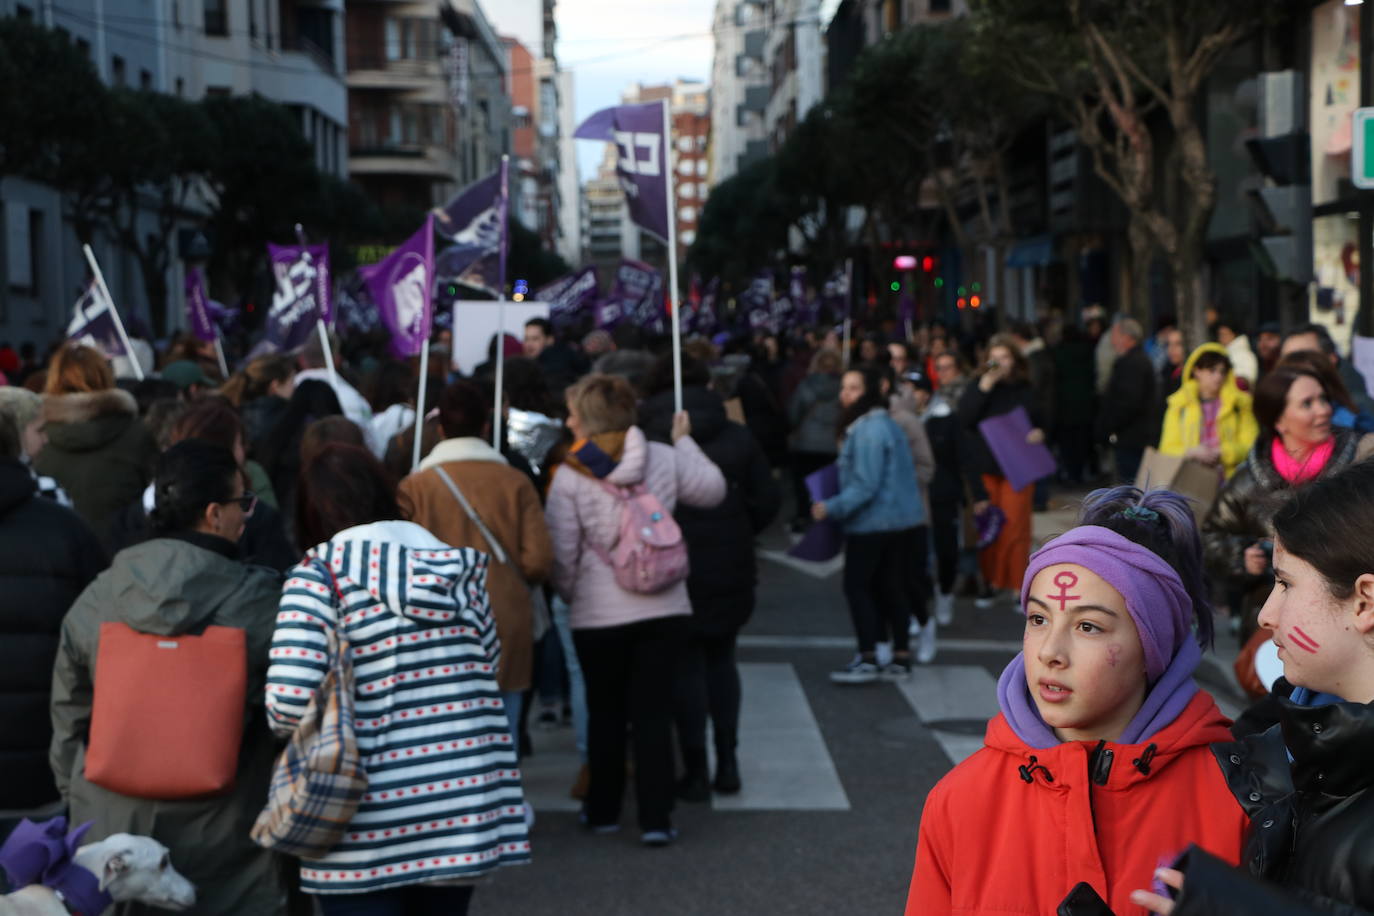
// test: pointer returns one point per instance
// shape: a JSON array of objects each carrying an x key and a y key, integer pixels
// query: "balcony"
[
  {"x": 384, "y": 158},
  {"x": 301, "y": 73}
]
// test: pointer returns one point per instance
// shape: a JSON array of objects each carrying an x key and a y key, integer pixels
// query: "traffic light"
[
  {"x": 522, "y": 289},
  {"x": 1283, "y": 204},
  {"x": 895, "y": 286},
  {"x": 927, "y": 264}
]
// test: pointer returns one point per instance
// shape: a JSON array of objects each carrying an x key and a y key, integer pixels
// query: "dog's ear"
[{"x": 115, "y": 866}]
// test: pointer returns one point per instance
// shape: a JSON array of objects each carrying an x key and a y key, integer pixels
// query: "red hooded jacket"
[{"x": 993, "y": 842}]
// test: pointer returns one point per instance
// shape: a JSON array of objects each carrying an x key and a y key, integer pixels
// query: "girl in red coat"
[{"x": 1098, "y": 767}]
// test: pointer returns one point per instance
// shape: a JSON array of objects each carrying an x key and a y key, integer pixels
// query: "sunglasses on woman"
[{"x": 247, "y": 502}]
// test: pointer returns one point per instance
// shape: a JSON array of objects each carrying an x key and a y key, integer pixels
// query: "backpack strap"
[{"x": 497, "y": 550}]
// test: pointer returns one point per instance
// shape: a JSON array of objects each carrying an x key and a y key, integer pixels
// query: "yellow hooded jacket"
[{"x": 1237, "y": 428}]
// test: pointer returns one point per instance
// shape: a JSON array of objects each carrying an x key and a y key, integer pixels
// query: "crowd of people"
[{"x": 595, "y": 563}]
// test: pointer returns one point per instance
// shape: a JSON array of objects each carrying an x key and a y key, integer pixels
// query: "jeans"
[
  {"x": 514, "y": 701},
  {"x": 630, "y": 671},
  {"x": 416, "y": 900},
  {"x": 577, "y": 686},
  {"x": 876, "y": 587}
]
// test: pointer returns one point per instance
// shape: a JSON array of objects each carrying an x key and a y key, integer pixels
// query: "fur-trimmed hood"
[{"x": 85, "y": 421}]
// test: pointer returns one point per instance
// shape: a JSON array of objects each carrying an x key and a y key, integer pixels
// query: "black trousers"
[
  {"x": 944, "y": 528},
  {"x": 708, "y": 684},
  {"x": 630, "y": 672},
  {"x": 877, "y": 586},
  {"x": 913, "y": 568}
]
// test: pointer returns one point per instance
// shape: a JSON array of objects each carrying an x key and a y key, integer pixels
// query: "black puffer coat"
[
  {"x": 720, "y": 541},
  {"x": 1311, "y": 821},
  {"x": 48, "y": 555},
  {"x": 976, "y": 405}
]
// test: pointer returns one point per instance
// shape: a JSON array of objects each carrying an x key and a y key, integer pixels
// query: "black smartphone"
[{"x": 1084, "y": 901}]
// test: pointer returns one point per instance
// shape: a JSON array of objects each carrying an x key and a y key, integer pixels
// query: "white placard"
[
  {"x": 475, "y": 321},
  {"x": 1362, "y": 355}
]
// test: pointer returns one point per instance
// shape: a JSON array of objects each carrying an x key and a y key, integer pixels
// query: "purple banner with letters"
[
  {"x": 568, "y": 296},
  {"x": 642, "y": 164},
  {"x": 302, "y": 293},
  {"x": 198, "y": 307},
  {"x": 402, "y": 285}
]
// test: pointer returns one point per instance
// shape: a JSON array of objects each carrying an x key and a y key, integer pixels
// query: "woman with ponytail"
[
  {"x": 1098, "y": 766},
  {"x": 261, "y": 391}
]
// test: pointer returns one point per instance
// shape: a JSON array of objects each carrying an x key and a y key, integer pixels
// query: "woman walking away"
[
  {"x": 186, "y": 578},
  {"x": 431, "y": 728},
  {"x": 1209, "y": 418},
  {"x": 813, "y": 412},
  {"x": 720, "y": 545},
  {"x": 1296, "y": 444},
  {"x": 627, "y": 641},
  {"x": 1099, "y": 762},
  {"x": 879, "y": 507},
  {"x": 1003, "y": 387},
  {"x": 1305, "y": 781}
]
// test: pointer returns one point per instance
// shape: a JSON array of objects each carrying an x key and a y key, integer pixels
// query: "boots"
[
  {"x": 693, "y": 786},
  {"x": 727, "y": 767}
]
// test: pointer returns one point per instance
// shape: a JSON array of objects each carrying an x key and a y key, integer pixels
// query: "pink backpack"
[{"x": 649, "y": 554}]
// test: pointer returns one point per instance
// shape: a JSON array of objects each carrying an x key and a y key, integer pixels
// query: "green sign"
[{"x": 1362, "y": 156}]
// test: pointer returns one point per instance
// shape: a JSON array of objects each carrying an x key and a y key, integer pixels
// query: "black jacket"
[
  {"x": 1311, "y": 821},
  {"x": 1129, "y": 404},
  {"x": 562, "y": 365},
  {"x": 720, "y": 541},
  {"x": 48, "y": 555},
  {"x": 975, "y": 406},
  {"x": 947, "y": 444},
  {"x": 264, "y": 541}
]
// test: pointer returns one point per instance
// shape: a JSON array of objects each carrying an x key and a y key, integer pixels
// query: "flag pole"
[
  {"x": 325, "y": 346},
  {"x": 848, "y": 307},
  {"x": 420, "y": 407},
  {"x": 672, "y": 254},
  {"x": 219, "y": 352},
  {"x": 109, "y": 304},
  {"x": 497, "y": 412}
]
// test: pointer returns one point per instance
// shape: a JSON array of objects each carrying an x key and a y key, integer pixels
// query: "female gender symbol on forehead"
[{"x": 1065, "y": 580}]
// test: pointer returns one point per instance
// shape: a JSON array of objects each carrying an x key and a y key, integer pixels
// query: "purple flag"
[
  {"x": 637, "y": 131},
  {"x": 402, "y": 285},
  {"x": 1021, "y": 462},
  {"x": 639, "y": 292},
  {"x": 198, "y": 307},
  {"x": 835, "y": 296},
  {"x": 706, "y": 322},
  {"x": 93, "y": 323},
  {"x": 796, "y": 286},
  {"x": 608, "y": 314},
  {"x": 475, "y": 222},
  {"x": 906, "y": 312},
  {"x": 569, "y": 295},
  {"x": 302, "y": 294}
]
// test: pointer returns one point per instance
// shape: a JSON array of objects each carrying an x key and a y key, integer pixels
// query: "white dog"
[{"x": 129, "y": 867}]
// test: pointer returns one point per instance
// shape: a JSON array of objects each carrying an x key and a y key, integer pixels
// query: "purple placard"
[
  {"x": 823, "y": 540},
  {"x": 1021, "y": 462}
]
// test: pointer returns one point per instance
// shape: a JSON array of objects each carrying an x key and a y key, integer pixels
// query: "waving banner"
[
  {"x": 568, "y": 296},
  {"x": 639, "y": 292},
  {"x": 198, "y": 307},
  {"x": 302, "y": 294},
  {"x": 402, "y": 285},
  {"x": 93, "y": 323},
  {"x": 642, "y": 166}
]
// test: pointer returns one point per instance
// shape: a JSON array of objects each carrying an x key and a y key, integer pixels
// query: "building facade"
[{"x": 740, "y": 88}]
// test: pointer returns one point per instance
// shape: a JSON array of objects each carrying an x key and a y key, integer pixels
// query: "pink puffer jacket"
[{"x": 579, "y": 510}]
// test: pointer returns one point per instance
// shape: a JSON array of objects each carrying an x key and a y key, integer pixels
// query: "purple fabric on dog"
[{"x": 42, "y": 854}]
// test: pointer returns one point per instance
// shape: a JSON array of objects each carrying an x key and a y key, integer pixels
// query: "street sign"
[{"x": 1362, "y": 156}]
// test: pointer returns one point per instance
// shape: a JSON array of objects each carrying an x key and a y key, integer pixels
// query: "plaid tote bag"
[{"x": 319, "y": 779}]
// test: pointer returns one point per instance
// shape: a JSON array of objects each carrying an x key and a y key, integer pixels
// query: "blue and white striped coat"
[{"x": 444, "y": 802}]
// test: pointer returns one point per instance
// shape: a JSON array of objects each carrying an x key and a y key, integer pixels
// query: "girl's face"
[
  {"x": 1209, "y": 382},
  {"x": 1002, "y": 357},
  {"x": 1321, "y": 639},
  {"x": 851, "y": 388},
  {"x": 1306, "y": 417},
  {"x": 1085, "y": 666},
  {"x": 282, "y": 388}
]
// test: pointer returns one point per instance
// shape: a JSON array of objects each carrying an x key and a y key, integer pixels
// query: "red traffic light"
[
  {"x": 975, "y": 301},
  {"x": 961, "y": 302},
  {"x": 927, "y": 263}
]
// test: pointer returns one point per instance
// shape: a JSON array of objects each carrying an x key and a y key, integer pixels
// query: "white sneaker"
[
  {"x": 944, "y": 608},
  {"x": 913, "y": 628},
  {"x": 925, "y": 643},
  {"x": 882, "y": 653},
  {"x": 988, "y": 600}
]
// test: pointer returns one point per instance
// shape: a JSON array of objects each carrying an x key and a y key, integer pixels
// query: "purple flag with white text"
[
  {"x": 639, "y": 291},
  {"x": 93, "y": 323},
  {"x": 642, "y": 166},
  {"x": 402, "y": 285},
  {"x": 198, "y": 307},
  {"x": 302, "y": 296},
  {"x": 474, "y": 222},
  {"x": 568, "y": 296}
]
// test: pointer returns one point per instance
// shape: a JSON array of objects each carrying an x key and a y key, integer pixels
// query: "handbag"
[
  {"x": 539, "y": 603},
  {"x": 167, "y": 714},
  {"x": 319, "y": 779}
]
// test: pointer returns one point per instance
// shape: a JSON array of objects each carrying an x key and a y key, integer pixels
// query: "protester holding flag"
[{"x": 97, "y": 449}]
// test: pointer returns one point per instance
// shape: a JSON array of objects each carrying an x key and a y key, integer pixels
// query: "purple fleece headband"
[{"x": 1154, "y": 593}]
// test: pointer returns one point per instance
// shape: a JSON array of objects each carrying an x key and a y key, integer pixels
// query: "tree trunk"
[{"x": 1142, "y": 249}]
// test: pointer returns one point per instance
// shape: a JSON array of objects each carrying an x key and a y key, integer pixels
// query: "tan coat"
[{"x": 509, "y": 506}]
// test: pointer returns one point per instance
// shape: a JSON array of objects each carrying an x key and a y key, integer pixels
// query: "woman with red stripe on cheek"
[{"x": 1307, "y": 782}]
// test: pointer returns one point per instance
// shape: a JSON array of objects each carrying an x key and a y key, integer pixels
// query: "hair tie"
[{"x": 1139, "y": 514}]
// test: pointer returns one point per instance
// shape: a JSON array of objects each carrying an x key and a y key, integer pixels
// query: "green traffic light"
[
  {"x": 977, "y": 287},
  {"x": 939, "y": 282},
  {"x": 896, "y": 287},
  {"x": 962, "y": 291}
]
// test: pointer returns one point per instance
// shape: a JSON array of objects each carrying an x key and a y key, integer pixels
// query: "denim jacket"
[{"x": 878, "y": 488}]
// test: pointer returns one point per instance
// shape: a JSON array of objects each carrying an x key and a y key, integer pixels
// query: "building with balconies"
[
  {"x": 740, "y": 88},
  {"x": 429, "y": 105}
]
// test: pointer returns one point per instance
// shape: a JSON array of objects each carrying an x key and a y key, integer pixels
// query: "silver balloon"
[{"x": 532, "y": 435}]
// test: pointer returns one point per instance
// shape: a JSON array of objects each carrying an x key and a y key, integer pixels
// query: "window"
[
  {"x": 685, "y": 167},
  {"x": 939, "y": 6},
  {"x": 252, "y": 18},
  {"x": 24, "y": 244},
  {"x": 702, "y": 167},
  {"x": 222, "y": 92},
  {"x": 688, "y": 191},
  {"x": 216, "y": 17},
  {"x": 84, "y": 47},
  {"x": 24, "y": 12},
  {"x": 684, "y": 144},
  {"x": 145, "y": 80},
  {"x": 117, "y": 75},
  {"x": 688, "y": 237},
  {"x": 687, "y": 214},
  {"x": 181, "y": 87}
]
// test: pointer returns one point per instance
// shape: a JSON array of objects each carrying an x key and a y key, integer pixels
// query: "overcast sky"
[{"x": 609, "y": 44}]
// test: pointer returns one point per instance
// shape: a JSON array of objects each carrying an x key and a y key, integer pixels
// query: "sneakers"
[
  {"x": 944, "y": 608},
  {"x": 882, "y": 653},
  {"x": 925, "y": 643},
  {"x": 988, "y": 598},
  {"x": 727, "y": 774},
  {"x": 658, "y": 837},
  {"x": 857, "y": 671},
  {"x": 694, "y": 787},
  {"x": 598, "y": 829},
  {"x": 913, "y": 628},
  {"x": 896, "y": 670}
]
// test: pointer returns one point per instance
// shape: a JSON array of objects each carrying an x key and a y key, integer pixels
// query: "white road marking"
[
  {"x": 942, "y": 692},
  {"x": 815, "y": 570},
  {"x": 784, "y": 762}
]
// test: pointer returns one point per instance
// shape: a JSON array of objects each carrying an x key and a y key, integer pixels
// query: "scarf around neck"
[
  {"x": 597, "y": 456},
  {"x": 1294, "y": 471}
]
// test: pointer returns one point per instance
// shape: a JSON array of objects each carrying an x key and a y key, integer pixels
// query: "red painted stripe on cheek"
[{"x": 1300, "y": 639}]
